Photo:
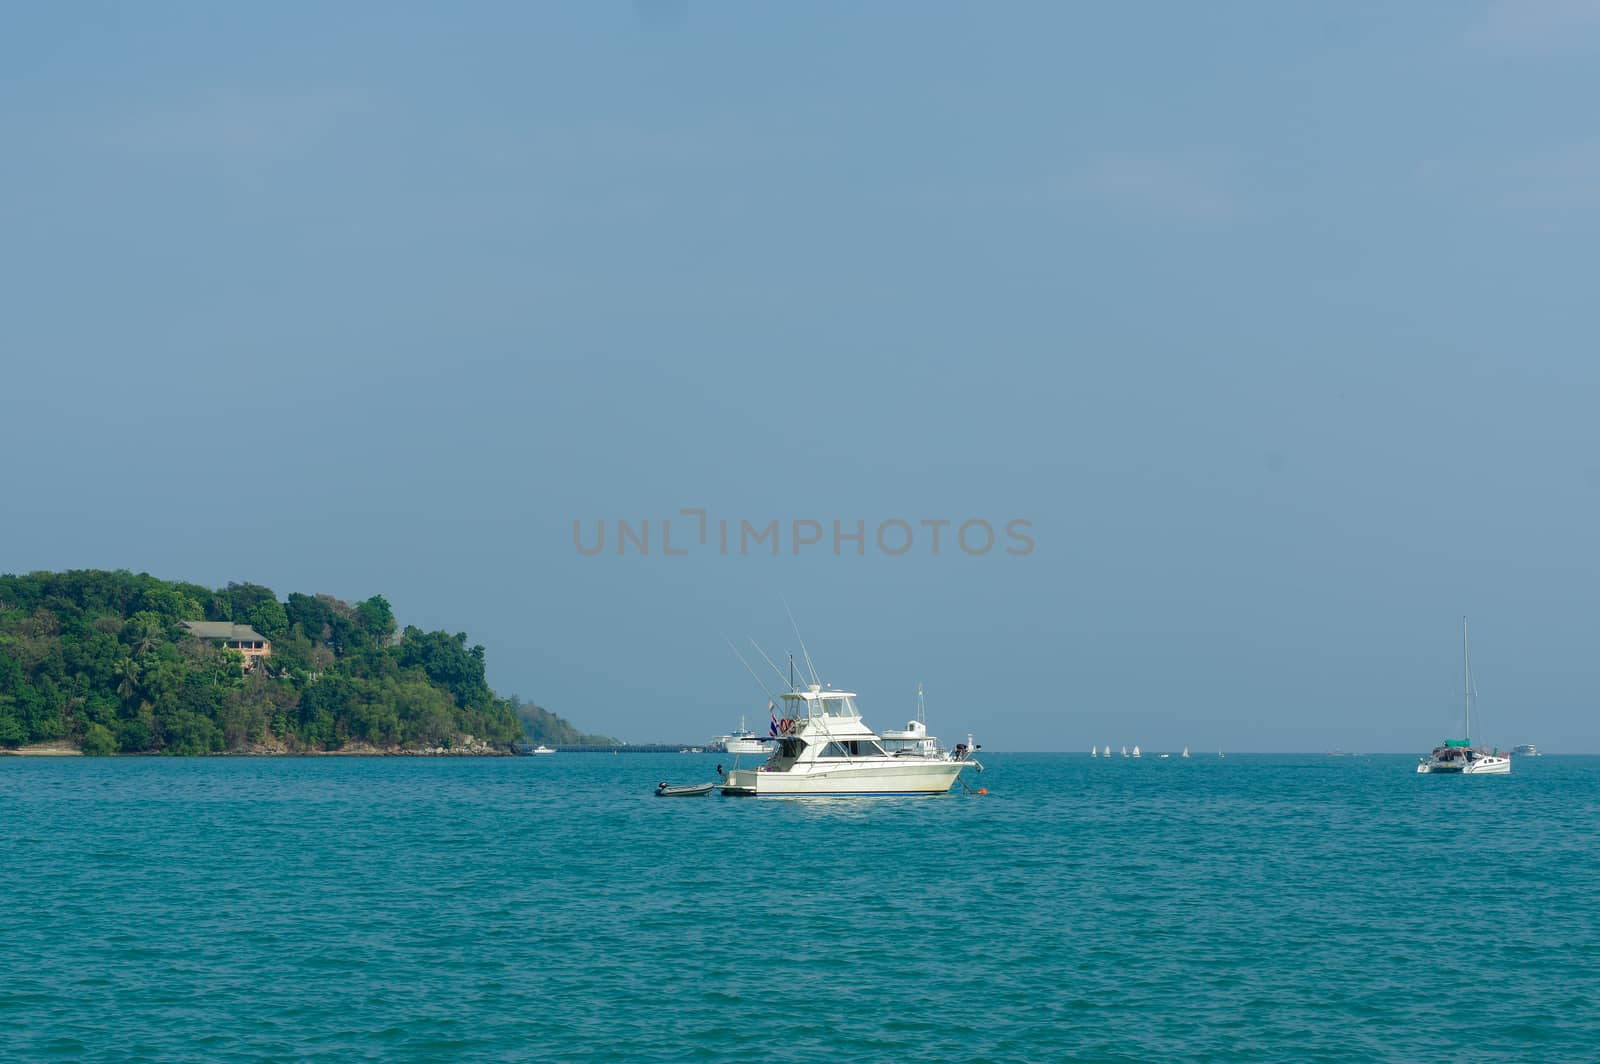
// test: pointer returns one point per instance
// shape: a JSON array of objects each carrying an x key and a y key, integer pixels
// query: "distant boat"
[
  {"x": 1527, "y": 750},
  {"x": 1094, "y": 751},
  {"x": 1108, "y": 750},
  {"x": 1459, "y": 756},
  {"x": 1165, "y": 756},
  {"x": 744, "y": 741},
  {"x": 1185, "y": 752},
  {"x": 913, "y": 740},
  {"x": 543, "y": 749},
  {"x": 1136, "y": 750}
]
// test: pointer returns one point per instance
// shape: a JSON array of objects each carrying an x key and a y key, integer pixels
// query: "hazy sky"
[{"x": 1277, "y": 322}]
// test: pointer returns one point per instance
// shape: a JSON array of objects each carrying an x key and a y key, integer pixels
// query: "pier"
[{"x": 623, "y": 748}]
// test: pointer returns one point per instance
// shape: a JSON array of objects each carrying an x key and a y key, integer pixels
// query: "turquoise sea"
[{"x": 1254, "y": 908}]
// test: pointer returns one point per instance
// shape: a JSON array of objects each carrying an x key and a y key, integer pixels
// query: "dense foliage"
[
  {"x": 100, "y": 658},
  {"x": 542, "y": 726}
]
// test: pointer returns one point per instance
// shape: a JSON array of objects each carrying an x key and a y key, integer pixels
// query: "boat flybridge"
[{"x": 824, "y": 748}]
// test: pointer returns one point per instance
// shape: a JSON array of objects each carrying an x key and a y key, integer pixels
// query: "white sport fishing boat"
[
  {"x": 824, "y": 748},
  {"x": 1459, "y": 756}
]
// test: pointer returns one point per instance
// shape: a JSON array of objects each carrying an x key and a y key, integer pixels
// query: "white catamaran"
[{"x": 1459, "y": 756}]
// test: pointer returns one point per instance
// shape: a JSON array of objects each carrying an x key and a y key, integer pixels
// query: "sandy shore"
[{"x": 60, "y": 748}]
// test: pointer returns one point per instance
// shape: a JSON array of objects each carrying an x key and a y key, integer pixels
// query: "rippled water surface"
[{"x": 1252, "y": 908}]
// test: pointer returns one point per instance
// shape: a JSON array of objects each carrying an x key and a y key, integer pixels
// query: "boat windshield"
[
  {"x": 838, "y": 708},
  {"x": 853, "y": 748}
]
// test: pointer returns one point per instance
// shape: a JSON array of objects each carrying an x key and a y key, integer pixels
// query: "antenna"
[
  {"x": 803, "y": 651},
  {"x": 768, "y": 660},
  {"x": 748, "y": 669}
]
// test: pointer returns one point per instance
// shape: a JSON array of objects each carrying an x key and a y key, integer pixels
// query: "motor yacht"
[
  {"x": 913, "y": 740},
  {"x": 743, "y": 741},
  {"x": 825, "y": 748}
]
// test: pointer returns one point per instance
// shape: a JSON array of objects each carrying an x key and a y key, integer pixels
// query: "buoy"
[{"x": 983, "y": 790}]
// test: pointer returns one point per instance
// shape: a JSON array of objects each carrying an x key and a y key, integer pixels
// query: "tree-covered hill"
[
  {"x": 101, "y": 658},
  {"x": 543, "y": 726}
]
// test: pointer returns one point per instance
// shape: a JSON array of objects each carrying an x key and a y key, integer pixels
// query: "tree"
[
  {"x": 376, "y": 619},
  {"x": 98, "y": 741},
  {"x": 169, "y": 604},
  {"x": 12, "y": 732},
  {"x": 144, "y": 632},
  {"x": 447, "y": 662},
  {"x": 127, "y": 671},
  {"x": 243, "y": 599},
  {"x": 270, "y": 620}
]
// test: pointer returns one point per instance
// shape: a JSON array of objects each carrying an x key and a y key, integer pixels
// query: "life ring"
[{"x": 784, "y": 726}]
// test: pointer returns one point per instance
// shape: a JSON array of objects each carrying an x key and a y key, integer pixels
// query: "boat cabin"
[
  {"x": 816, "y": 703},
  {"x": 821, "y": 724}
]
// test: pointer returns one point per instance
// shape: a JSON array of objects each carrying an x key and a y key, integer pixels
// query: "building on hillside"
[{"x": 241, "y": 637}]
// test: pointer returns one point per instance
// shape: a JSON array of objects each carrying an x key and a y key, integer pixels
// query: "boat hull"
[
  {"x": 667, "y": 790},
  {"x": 876, "y": 778},
  {"x": 1483, "y": 766}
]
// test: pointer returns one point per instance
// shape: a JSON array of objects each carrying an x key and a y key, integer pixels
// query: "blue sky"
[{"x": 1277, "y": 326}]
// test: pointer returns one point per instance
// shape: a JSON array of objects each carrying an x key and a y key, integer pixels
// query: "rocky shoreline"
[{"x": 468, "y": 747}]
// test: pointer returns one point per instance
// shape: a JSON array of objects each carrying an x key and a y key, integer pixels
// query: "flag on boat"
[{"x": 774, "y": 729}]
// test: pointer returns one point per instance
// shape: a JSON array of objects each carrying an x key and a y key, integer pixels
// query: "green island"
[{"x": 115, "y": 662}]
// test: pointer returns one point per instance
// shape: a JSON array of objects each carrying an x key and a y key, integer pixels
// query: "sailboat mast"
[{"x": 1466, "y": 690}]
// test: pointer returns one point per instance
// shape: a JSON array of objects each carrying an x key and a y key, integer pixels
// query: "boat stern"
[{"x": 739, "y": 781}]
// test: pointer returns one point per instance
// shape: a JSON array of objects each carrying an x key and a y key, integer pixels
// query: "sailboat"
[
  {"x": 1459, "y": 756},
  {"x": 1124, "y": 751},
  {"x": 1185, "y": 752},
  {"x": 1136, "y": 750},
  {"x": 1094, "y": 751},
  {"x": 1108, "y": 751}
]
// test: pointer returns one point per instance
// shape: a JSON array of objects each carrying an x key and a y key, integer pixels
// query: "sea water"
[{"x": 1271, "y": 908}]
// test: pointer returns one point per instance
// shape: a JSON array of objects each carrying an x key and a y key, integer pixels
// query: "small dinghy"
[{"x": 668, "y": 790}]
